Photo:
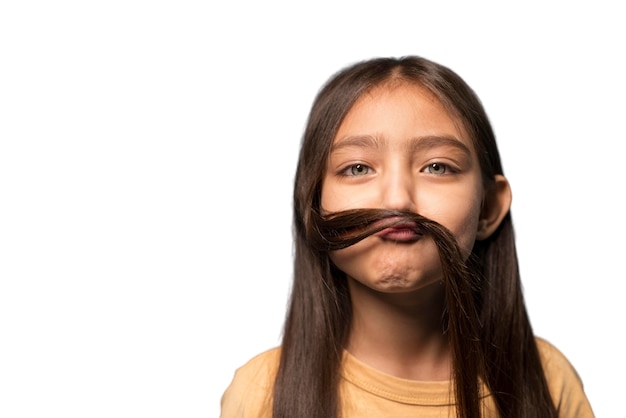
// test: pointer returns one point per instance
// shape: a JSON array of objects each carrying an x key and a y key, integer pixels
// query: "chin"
[
  {"x": 401, "y": 284},
  {"x": 394, "y": 284}
]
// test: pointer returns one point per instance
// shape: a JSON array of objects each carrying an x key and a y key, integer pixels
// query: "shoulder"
[
  {"x": 249, "y": 393},
  {"x": 566, "y": 386},
  {"x": 553, "y": 360},
  {"x": 260, "y": 370}
]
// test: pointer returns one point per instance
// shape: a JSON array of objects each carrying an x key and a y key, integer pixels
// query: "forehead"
[{"x": 401, "y": 109}]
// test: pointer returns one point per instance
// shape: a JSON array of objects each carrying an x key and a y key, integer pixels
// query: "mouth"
[{"x": 405, "y": 232}]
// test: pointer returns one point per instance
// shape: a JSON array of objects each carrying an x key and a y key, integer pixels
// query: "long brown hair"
[{"x": 501, "y": 347}]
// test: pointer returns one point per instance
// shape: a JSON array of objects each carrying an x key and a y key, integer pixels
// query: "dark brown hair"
[{"x": 489, "y": 330}]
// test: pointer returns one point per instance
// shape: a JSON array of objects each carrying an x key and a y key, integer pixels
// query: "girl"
[{"x": 406, "y": 299}]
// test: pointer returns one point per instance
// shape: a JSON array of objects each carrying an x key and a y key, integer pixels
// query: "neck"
[{"x": 400, "y": 334}]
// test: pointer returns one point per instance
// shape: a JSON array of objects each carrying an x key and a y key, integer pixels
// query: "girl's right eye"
[{"x": 356, "y": 170}]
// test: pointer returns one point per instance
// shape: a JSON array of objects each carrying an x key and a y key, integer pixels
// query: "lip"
[{"x": 405, "y": 232}]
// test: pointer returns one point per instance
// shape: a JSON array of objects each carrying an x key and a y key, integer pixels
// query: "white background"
[{"x": 147, "y": 152}]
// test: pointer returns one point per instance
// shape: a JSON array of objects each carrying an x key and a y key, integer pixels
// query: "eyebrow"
[{"x": 416, "y": 144}]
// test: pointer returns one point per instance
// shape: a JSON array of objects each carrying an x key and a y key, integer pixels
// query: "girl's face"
[{"x": 398, "y": 148}]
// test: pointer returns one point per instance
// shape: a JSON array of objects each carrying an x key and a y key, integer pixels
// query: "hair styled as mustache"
[{"x": 339, "y": 230}]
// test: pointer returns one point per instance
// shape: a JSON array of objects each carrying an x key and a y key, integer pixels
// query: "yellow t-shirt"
[{"x": 368, "y": 393}]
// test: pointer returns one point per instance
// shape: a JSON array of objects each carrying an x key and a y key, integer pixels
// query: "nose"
[{"x": 398, "y": 190}]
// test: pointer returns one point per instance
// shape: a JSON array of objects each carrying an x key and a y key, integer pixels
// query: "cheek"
[
  {"x": 329, "y": 200},
  {"x": 466, "y": 239},
  {"x": 335, "y": 198},
  {"x": 353, "y": 260},
  {"x": 465, "y": 228},
  {"x": 460, "y": 215}
]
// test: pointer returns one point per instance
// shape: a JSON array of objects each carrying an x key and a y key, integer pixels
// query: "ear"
[{"x": 496, "y": 204}]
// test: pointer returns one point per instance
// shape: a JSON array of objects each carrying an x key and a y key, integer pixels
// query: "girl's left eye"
[{"x": 437, "y": 168}]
